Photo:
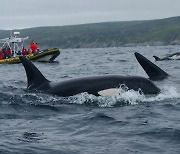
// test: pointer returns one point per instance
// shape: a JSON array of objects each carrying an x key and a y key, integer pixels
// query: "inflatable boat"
[
  {"x": 47, "y": 55},
  {"x": 14, "y": 47}
]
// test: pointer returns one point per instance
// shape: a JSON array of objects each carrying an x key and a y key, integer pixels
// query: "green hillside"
[{"x": 108, "y": 34}]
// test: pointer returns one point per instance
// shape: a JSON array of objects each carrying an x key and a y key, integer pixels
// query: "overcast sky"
[{"x": 34, "y": 13}]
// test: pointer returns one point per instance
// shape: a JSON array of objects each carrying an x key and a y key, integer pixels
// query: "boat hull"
[{"x": 47, "y": 55}]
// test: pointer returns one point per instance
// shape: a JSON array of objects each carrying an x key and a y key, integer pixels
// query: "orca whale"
[
  {"x": 152, "y": 70},
  {"x": 174, "y": 56},
  {"x": 96, "y": 85}
]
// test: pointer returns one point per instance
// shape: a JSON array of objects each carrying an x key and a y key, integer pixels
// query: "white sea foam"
[
  {"x": 167, "y": 92},
  {"x": 125, "y": 97}
]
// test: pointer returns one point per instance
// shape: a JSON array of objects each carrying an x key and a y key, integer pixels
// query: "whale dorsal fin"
[
  {"x": 153, "y": 71},
  {"x": 157, "y": 58},
  {"x": 34, "y": 76}
]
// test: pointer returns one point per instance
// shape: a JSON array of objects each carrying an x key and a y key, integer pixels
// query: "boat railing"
[{"x": 14, "y": 43}]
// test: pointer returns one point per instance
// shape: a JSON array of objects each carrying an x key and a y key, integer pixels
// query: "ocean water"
[{"x": 129, "y": 122}]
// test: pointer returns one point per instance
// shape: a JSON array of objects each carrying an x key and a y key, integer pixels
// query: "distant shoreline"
[{"x": 108, "y": 34}]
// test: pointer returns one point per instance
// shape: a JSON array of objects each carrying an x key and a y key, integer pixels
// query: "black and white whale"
[
  {"x": 96, "y": 85},
  {"x": 174, "y": 56},
  {"x": 152, "y": 70}
]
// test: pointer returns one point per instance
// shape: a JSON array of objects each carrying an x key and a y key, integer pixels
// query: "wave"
[{"x": 122, "y": 98}]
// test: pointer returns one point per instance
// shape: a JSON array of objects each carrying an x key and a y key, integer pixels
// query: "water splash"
[
  {"x": 167, "y": 92},
  {"x": 124, "y": 97}
]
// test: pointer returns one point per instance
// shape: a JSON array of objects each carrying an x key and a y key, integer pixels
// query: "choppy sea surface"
[{"x": 129, "y": 122}]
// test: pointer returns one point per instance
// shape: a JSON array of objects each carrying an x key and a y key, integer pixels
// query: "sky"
[{"x": 20, "y": 14}]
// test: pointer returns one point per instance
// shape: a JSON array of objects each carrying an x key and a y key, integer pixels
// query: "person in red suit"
[
  {"x": 1, "y": 54},
  {"x": 33, "y": 46},
  {"x": 8, "y": 52},
  {"x": 24, "y": 51}
]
